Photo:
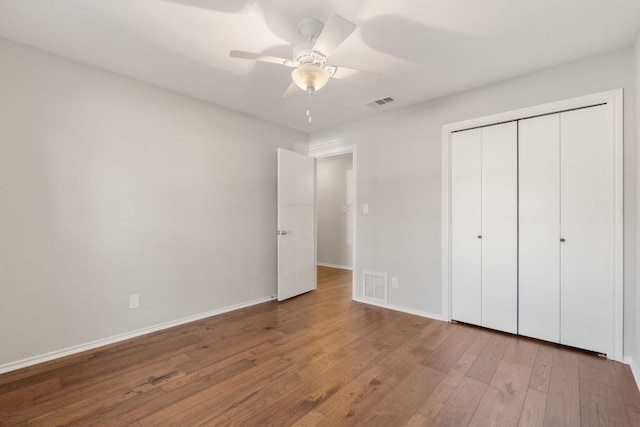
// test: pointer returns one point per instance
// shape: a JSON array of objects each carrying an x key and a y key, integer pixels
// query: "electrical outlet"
[
  {"x": 394, "y": 282},
  {"x": 134, "y": 301}
]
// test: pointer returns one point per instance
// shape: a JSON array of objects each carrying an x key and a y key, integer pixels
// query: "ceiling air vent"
[{"x": 374, "y": 105}]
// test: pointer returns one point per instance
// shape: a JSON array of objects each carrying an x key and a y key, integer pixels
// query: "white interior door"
[
  {"x": 500, "y": 227},
  {"x": 296, "y": 224},
  {"x": 585, "y": 227},
  {"x": 539, "y": 216},
  {"x": 466, "y": 202}
]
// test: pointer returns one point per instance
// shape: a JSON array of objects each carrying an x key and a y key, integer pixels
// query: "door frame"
[
  {"x": 321, "y": 151},
  {"x": 613, "y": 100}
]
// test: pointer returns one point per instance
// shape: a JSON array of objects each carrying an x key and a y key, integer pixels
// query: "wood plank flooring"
[{"x": 323, "y": 360}]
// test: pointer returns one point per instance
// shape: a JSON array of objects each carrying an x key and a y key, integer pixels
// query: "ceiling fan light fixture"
[{"x": 309, "y": 76}]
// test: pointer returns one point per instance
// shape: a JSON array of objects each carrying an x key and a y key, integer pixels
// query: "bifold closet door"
[
  {"x": 585, "y": 227},
  {"x": 500, "y": 227},
  {"x": 466, "y": 227},
  {"x": 484, "y": 226},
  {"x": 539, "y": 227},
  {"x": 565, "y": 227}
]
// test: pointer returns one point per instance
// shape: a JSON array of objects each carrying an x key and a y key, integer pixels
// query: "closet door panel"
[
  {"x": 585, "y": 226},
  {"x": 500, "y": 227},
  {"x": 466, "y": 226},
  {"x": 539, "y": 227}
]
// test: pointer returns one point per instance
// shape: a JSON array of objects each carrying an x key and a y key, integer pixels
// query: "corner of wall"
[
  {"x": 301, "y": 147},
  {"x": 633, "y": 359}
]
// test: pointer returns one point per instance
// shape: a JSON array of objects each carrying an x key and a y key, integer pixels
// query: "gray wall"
[
  {"x": 110, "y": 187},
  {"x": 334, "y": 239},
  {"x": 399, "y": 173}
]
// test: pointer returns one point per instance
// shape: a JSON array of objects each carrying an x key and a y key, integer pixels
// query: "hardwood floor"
[{"x": 322, "y": 360}]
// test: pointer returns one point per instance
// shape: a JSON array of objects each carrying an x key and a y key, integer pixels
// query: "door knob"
[
  {"x": 282, "y": 232},
  {"x": 562, "y": 239},
  {"x": 479, "y": 237}
]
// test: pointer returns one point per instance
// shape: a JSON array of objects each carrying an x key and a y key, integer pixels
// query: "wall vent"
[
  {"x": 380, "y": 102},
  {"x": 375, "y": 286}
]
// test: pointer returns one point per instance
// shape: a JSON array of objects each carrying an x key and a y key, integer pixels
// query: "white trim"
[
  {"x": 635, "y": 370},
  {"x": 609, "y": 97},
  {"x": 330, "y": 148},
  {"x": 335, "y": 148},
  {"x": 400, "y": 308},
  {"x": 446, "y": 219},
  {"x": 614, "y": 101},
  {"x": 617, "y": 316},
  {"x": 30, "y": 361},
  {"x": 315, "y": 224},
  {"x": 341, "y": 267}
]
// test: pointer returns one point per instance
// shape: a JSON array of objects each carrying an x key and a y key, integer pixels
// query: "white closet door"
[
  {"x": 500, "y": 227},
  {"x": 586, "y": 227},
  {"x": 466, "y": 226},
  {"x": 539, "y": 227}
]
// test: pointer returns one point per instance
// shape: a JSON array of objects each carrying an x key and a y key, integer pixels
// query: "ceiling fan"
[{"x": 311, "y": 69}]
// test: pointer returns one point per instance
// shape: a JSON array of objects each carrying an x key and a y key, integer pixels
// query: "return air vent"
[
  {"x": 375, "y": 286},
  {"x": 374, "y": 105}
]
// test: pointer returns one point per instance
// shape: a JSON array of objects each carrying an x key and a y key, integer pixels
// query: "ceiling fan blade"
[
  {"x": 344, "y": 73},
  {"x": 262, "y": 58},
  {"x": 335, "y": 31},
  {"x": 353, "y": 75},
  {"x": 292, "y": 90}
]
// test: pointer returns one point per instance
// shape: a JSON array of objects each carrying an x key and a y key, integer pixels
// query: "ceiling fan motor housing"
[{"x": 303, "y": 53}]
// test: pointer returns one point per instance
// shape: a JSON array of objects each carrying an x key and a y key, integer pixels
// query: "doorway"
[{"x": 335, "y": 211}]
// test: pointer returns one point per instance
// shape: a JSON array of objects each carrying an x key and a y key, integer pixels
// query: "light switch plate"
[{"x": 134, "y": 301}]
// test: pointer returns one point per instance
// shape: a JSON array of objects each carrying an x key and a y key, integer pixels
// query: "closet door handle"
[
  {"x": 479, "y": 237},
  {"x": 562, "y": 239}
]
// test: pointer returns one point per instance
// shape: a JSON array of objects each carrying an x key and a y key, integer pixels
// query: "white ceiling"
[{"x": 419, "y": 49}]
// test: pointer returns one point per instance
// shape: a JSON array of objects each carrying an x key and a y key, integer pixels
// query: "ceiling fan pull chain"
[{"x": 309, "y": 91}]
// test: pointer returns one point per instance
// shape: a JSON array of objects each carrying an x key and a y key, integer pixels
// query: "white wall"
[
  {"x": 399, "y": 173},
  {"x": 110, "y": 187},
  {"x": 334, "y": 242}
]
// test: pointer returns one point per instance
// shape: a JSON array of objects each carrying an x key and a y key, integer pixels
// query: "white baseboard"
[
  {"x": 635, "y": 370},
  {"x": 400, "y": 308},
  {"x": 342, "y": 267},
  {"x": 12, "y": 366}
]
